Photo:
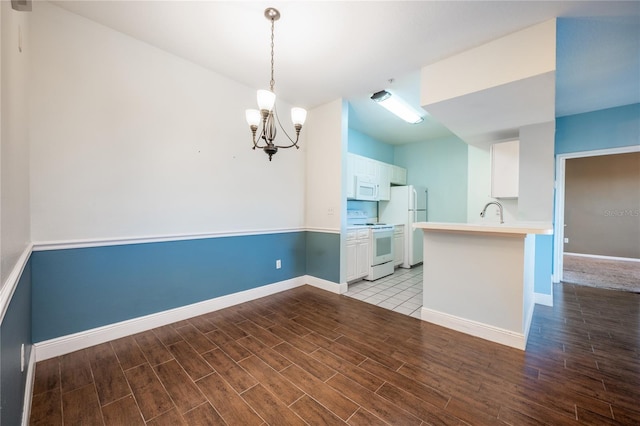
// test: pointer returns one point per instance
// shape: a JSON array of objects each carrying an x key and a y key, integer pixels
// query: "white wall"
[
  {"x": 14, "y": 143},
  {"x": 128, "y": 140},
  {"x": 536, "y": 179},
  {"x": 326, "y": 136},
  {"x": 516, "y": 56}
]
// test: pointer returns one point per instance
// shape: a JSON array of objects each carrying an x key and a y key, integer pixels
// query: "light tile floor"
[{"x": 400, "y": 292}]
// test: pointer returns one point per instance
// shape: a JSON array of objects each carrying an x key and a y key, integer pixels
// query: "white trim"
[
  {"x": 326, "y": 285},
  {"x": 598, "y": 152},
  {"x": 11, "y": 283},
  {"x": 474, "y": 328},
  {"x": 597, "y": 256},
  {"x": 324, "y": 230},
  {"x": 543, "y": 299},
  {"x": 527, "y": 321},
  {"x": 28, "y": 387},
  {"x": 558, "y": 244},
  {"x": 84, "y": 339},
  {"x": 97, "y": 242}
]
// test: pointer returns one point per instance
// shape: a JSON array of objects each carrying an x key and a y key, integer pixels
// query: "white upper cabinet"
[
  {"x": 398, "y": 175},
  {"x": 505, "y": 168},
  {"x": 384, "y": 190},
  {"x": 383, "y": 174},
  {"x": 351, "y": 176},
  {"x": 366, "y": 167}
]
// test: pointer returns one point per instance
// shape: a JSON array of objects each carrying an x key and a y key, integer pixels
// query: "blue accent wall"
[
  {"x": 607, "y": 128},
  {"x": 543, "y": 264},
  {"x": 366, "y": 146},
  {"x": 323, "y": 256},
  {"x": 441, "y": 165},
  {"x": 15, "y": 331},
  {"x": 79, "y": 289}
]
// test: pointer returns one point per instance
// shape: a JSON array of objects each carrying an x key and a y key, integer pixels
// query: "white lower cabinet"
[
  {"x": 398, "y": 245},
  {"x": 357, "y": 253}
]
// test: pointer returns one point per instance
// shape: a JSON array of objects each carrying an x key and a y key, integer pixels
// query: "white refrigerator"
[{"x": 407, "y": 205}]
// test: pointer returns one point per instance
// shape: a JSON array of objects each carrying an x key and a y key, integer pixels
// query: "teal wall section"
[
  {"x": 604, "y": 129},
  {"x": 14, "y": 331},
  {"x": 79, "y": 289},
  {"x": 543, "y": 264},
  {"x": 366, "y": 146},
  {"x": 442, "y": 166},
  {"x": 607, "y": 128},
  {"x": 323, "y": 256}
]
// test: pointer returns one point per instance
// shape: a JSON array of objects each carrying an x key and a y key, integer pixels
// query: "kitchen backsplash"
[{"x": 369, "y": 207}]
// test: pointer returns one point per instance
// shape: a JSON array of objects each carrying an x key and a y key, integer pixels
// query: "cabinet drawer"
[
  {"x": 363, "y": 234},
  {"x": 352, "y": 235}
]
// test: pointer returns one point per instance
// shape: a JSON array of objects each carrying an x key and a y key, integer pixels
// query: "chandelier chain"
[{"x": 272, "y": 82}]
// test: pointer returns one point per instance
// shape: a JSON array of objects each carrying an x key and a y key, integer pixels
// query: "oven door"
[{"x": 381, "y": 246}]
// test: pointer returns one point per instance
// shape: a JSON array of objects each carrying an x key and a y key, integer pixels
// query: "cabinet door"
[
  {"x": 505, "y": 169},
  {"x": 352, "y": 259},
  {"x": 351, "y": 176},
  {"x": 384, "y": 190},
  {"x": 398, "y": 175},
  {"x": 398, "y": 249},
  {"x": 363, "y": 259},
  {"x": 361, "y": 165}
]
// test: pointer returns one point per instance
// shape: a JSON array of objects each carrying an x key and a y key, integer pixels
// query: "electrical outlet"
[
  {"x": 278, "y": 264},
  {"x": 330, "y": 211},
  {"x": 566, "y": 241}
]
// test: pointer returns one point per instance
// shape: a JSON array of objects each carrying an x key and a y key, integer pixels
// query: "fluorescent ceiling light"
[{"x": 397, "y": 106}]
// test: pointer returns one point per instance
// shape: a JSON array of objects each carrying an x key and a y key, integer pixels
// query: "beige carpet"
[{"x": 602, "y": 273}]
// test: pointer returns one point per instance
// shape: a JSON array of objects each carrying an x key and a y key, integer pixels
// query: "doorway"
[{"x": 587, "y": 267}]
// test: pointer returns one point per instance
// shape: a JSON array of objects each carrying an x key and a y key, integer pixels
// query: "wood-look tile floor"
[{"x": 306, "y": 356}]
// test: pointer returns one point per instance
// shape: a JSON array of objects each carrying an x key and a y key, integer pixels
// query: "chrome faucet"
[{"x": 484, "y": 211}]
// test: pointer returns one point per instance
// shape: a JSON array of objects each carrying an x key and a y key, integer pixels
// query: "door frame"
[{"x": 561, "y": 160}]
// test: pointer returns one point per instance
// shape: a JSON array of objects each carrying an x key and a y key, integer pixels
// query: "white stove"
[{"x": 380, "y": 244}]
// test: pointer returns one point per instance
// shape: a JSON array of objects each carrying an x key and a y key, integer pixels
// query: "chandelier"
[{"x": 267, "y": 115}]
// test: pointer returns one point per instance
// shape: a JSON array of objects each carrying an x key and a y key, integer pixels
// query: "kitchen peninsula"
[{"x": 478, "y": 279}]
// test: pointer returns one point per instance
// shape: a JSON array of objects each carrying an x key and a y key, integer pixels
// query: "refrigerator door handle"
[
  {"x": 426, "y": 204},
  {"x": 414, "y": 205}
]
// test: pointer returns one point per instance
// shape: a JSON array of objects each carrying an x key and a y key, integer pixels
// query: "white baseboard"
[
  {"x": 543, "y": 299},
  {"x": 326, "y": 285},
  {"x": 28, "y": 388},
  {"x": 527, "y": 321},
  {"x": 474, "y": 328},
  {"x": 597, "y": 256},
  {"x": 84, "y": 339}
]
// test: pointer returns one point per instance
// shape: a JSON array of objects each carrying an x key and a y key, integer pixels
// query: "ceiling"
[{"x": 326, "y": 50}]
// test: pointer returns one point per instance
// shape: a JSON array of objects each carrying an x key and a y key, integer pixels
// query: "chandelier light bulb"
[
  {"x": 266, "y": 100},
  {"x": 298, "y": 116},
  {"x": 253, "y": 117}
]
